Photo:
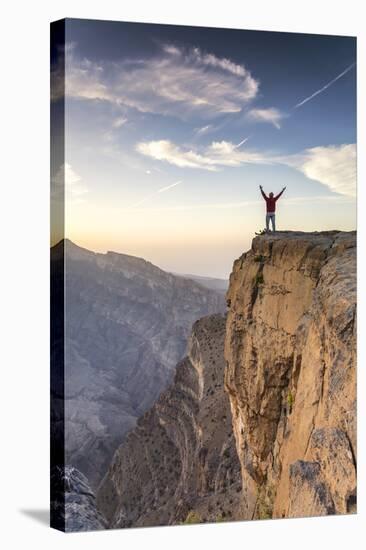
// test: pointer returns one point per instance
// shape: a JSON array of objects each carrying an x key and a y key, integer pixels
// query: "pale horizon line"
[{"x": 108, "y": 250}]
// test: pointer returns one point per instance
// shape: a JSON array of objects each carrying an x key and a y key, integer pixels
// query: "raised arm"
[
  {"x": 263, "y": 193},
  {"x": 279, "y": 194}
]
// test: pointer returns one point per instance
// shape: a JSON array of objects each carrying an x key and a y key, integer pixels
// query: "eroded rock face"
[
  {"x": 126, "y": 326},
  {"x": 181, "y": 458},
  {"x": 74, "y": 508},
  {"x": 291, "y": 376}
]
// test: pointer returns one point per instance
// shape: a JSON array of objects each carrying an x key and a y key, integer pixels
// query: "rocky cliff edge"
[{"x": 291, "y": 373}]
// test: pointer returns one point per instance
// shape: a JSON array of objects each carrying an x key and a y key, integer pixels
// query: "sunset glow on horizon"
[{"x": 170, "y": 131}]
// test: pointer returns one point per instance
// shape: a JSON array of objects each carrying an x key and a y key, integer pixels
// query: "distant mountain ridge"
[
  {"x": 127, "y": 324},
  {"x": 221, "y": 285}
]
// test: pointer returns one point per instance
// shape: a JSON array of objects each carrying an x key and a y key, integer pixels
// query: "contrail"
[
  {"x": 241, "y": 143},
  {"x": 161, "y": 190},
  {"x": 203, "y": 130},
  {"x": 324, "y": 87},
  {"x": 168, "y": 187},
  {"x": 141, "y": 201}
]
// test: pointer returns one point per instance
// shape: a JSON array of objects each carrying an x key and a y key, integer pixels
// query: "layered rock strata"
[{"x": 180, "y": 462}]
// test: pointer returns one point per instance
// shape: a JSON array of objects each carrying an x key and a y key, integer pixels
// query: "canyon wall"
[
  {"x": 291, "y": 373},
  {"x": 179, "y": 464},
  {"x": 126, "y": 326}
]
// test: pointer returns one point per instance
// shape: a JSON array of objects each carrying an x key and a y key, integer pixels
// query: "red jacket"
[{"x": 271, "y": 202}]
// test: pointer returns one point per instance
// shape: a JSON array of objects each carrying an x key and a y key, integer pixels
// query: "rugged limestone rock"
[
  {"x": 74, "y": 509},
  {"x": 180, "y": 461},
  {"x": 127, "y": 324},
  {"x": 290, "y": 351}
]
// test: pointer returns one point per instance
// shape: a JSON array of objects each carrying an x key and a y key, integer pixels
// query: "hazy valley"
[{"x": 126, "y": 326}]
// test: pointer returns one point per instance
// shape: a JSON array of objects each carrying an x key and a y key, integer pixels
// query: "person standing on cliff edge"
[{"x": 271, "y": 207}]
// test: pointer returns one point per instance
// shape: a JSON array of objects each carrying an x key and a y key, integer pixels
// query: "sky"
[{"x": 170, "y": 130}]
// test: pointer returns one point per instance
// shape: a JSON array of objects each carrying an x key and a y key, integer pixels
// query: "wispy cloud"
[
  {"x": 118, "y": 122},
  {"x": 178, "y": 82},
  {"x": 167, "y": 151},
  {"x": 334, "y": 166},
  {"x": 216, "y": 155},
  {"x": 271, "y": 115},
  {"x": 325, "y": 87}
]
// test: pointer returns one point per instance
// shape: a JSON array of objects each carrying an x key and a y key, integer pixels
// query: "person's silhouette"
[{"x": 271, "y": 207}]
